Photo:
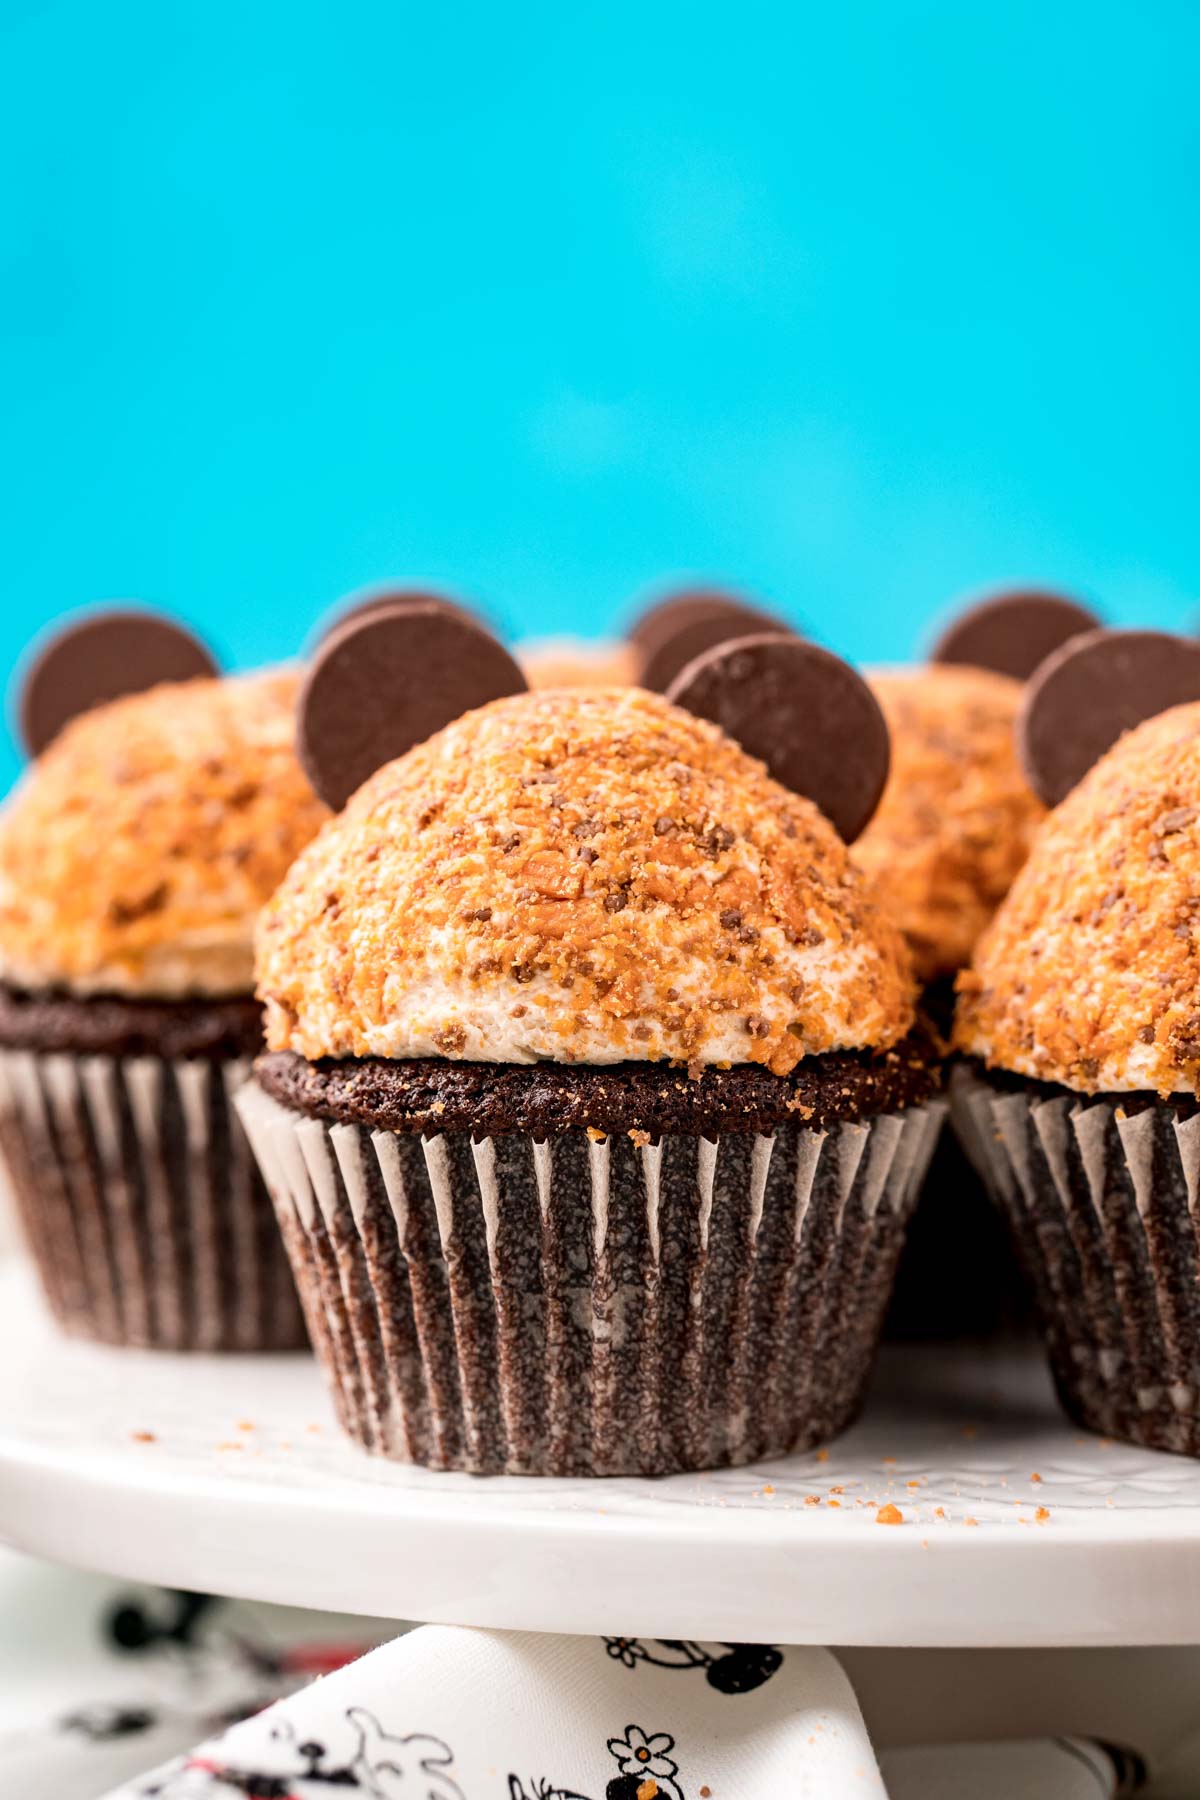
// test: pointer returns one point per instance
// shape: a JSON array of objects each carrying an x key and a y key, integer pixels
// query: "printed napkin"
[{"x": 447, "y": 1713}]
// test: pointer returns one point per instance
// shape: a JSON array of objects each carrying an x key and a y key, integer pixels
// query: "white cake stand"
[{"x": 228, "y": 1474}]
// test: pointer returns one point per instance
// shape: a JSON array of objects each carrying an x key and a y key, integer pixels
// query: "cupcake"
[
  {"x": 957, "y": 817},
  {"x": 955, "y": 824},
  {"x": 1081, "y": 1017},
  {"x": 134, "y": 856},
  {"x": 594, "y": 1104}
]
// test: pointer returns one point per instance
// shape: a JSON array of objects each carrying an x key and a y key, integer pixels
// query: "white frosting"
[
  {"x": 515, "y": 1022},
  {"x": 216, "y": 961},
  {"x": 1138, "y": 1070}
]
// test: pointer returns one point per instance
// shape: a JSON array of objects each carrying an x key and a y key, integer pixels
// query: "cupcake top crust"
[
  {"x": 1089, "y": 976},
  {"x": 589, "y": 876},
  {"x": 137, "y": 850},
  {"x": 958, "y": 817}
]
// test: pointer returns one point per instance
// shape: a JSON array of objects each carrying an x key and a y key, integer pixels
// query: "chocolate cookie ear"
[
  {"x": 1012, "y": 632},
  {"x": 378, "y": 599},
  {"x": 387, "y": 679},
  {"x": 98, "y": 658},
  {"x": 1091, "y": 690},
  {"x": 682, "y": 626},
  {"x": 804, "y": 712}
]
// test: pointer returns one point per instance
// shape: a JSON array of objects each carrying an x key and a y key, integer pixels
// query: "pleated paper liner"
[
  {"x": 583, "y": 1305},
  {"x": 1102, "y": 1196},
  {"x": 142, "y": 1204}
]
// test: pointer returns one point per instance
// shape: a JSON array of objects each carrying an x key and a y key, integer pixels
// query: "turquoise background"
[{"x": 857, "y": 307}]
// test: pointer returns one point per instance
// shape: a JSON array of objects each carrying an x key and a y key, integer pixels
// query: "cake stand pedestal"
[{"x": 1031, "y": 1562}]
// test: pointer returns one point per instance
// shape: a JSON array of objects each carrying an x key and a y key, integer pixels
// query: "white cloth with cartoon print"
[{"x": 451, "y": 1714}]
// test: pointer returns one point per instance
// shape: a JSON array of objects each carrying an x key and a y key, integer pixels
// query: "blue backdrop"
[{"x": 855, "y": 306}]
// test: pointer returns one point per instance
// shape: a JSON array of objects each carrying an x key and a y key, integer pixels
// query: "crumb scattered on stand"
[
  {"x": 889, "y": 1515},
  {"x": 1035, "y": 1476},
  {"x": 144, "y": 1437},
  {"x": 1042, "y": 1514},
  {"x": 822, "y": 1456}
]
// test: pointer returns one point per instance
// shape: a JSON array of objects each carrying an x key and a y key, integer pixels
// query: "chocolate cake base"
[
  {"x": 1101, "y": 1194},
  {"x": 497, "y": 1099},
  {"x": 506, "y": 1270},
  {"x": 141, "y": 1203}
]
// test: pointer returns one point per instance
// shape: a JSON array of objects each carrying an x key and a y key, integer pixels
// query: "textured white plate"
[{"x": 229, "y": 1474}]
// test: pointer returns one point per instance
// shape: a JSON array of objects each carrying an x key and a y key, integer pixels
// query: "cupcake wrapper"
[
  {"x": 142, "y": 1204},
  {"x": 592, "y": 1307},
  {"x": 1103, "y": 1205}
]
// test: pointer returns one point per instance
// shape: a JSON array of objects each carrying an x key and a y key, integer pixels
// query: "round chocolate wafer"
[
  {"x": 1013, "y": 632},
  {"x": 101, "y": 657},
  {"x": 696, "y": 625},
  {"x": 378, "y": 599},
  {"x": 804, "y": 712},
  {"x": 387, "y": 679},
  {"x": 656, "y": 623},
  {"x": 1091, "y": 690}
]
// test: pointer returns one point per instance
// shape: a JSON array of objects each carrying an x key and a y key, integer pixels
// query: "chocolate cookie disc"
[
  {"x": 1090, "y": 691},
  {"x": 1013, "y": 632},
  {"x": 387, "y": 680},
  {"x": 684, "y": 627},
  {"x": 370, "y": 601},
  {"x": 100, "y": 658},
  {"x": 804, "y": 712},
  {"x": 656, "y": 623}
]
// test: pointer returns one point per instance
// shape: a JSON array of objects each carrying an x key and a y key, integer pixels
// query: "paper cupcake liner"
[
  {"x": 1103, "y": 1204},
  {"x": 142, "y": 1204},
  {"x": 580, "y": 1306}
]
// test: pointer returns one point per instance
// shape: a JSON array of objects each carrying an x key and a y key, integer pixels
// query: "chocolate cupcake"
[
  {"x": 1081, "y": 1016},
  {"x": 134, "y": 856},
  {"x": 955, "y": 824},
  {"x": 595, "y": 1105}
]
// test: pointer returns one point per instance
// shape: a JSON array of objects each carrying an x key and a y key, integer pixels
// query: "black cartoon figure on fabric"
[
  {"x": 647, "y": 1772},
  {"x": 196, "y": 1668},
  {"x": 741, "y": 1669},
  {"x": 378, "y": 1767}
]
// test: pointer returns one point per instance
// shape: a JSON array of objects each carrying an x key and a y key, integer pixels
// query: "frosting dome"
[
  {"x": 1090, "y": 973},
  {"x": 957, "y": 817},
  {"x": 586, "y": 876},
  {"x": 136, "y": 852}
]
